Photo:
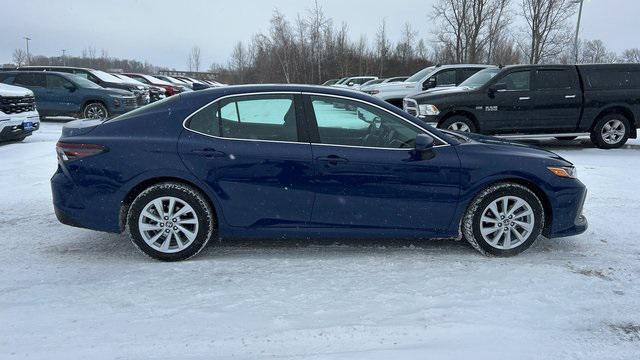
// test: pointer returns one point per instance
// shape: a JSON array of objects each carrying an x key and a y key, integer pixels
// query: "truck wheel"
[
  {"x": 170, "y": 222},
  {"x": 458, "y": 123},
  {"x": 503, "y": 220},
  {"x": 95, "y": 110},
  {"x": 611, "y": 131}
]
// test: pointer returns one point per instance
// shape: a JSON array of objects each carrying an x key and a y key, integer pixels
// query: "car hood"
[
  {"x": 441, "y": 92},
  {"x": 113, "y": 91},
  {"x": 514, "y": 148},
  {"x": 392, "y": 86},
  {"x": 10, "y": 90}
]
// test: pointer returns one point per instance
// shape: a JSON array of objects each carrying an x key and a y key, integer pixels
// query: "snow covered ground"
[{"x": 68, "y": 293}]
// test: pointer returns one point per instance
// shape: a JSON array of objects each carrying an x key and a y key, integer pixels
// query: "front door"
[
  {"x": 508, "y": 109},
  {"x": 65, "y": 99},
  {"x": 367, "y": 174},
  {"x": 251, "y": 153}
]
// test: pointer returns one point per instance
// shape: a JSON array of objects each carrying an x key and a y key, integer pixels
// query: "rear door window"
[
  {"x": 554, "y": 79},
  {"x": 252, "y": 117},
  {"x": 33, "y": 80},
  {"x": 608, "y": 79}
]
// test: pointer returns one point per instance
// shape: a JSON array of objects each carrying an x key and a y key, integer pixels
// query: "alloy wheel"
[
  {"x": 459, "y": 126},
  {"x": 168, "y": 224},
  {"x": 613, "y": 131},
  {"x": 95, "y": 111},
  {"x": 507, "y": 222}
]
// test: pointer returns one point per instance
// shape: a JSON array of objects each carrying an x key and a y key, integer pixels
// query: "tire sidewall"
[
  {"x": 596, "y": 135},
  {"x": 495, "y": 192},
  {"x": 192, "y": 197},
  {"x": 104, "y": 108},
  {"x": 459, "y": 118}
]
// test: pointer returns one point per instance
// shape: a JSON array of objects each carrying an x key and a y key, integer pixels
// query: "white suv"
[
  {"x": 18, "y": 115},
  {"x": 425, "y": 79}
]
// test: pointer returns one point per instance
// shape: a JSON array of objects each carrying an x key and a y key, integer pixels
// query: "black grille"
[
  {"x": 17, "y": 104},
  {"x": 130, "y": 102}
]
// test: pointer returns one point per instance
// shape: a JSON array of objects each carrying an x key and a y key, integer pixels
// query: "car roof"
[
  {"x": 53, "y": 67},
  {"x": 63, "y": 74}
]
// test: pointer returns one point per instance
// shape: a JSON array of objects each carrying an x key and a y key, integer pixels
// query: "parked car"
[
  {"x": 564, "y": 101},
  {"x": 179, "y": 83},
  {"x": 369, "y": 84},
  {"x": 330, "y": 82},
  {"x": 64, "y": 94},
  {"x": 245, "y": 161},
  {"x": 99, "y": 77},
  {"x": 355, "y": 82},
  {"x": 438, "y": 76},
  {"x": 155, "y": 92},
  {"x": 169, "y": 88},
  {"x": 195, "y": 83},
  {"x": 18, "y": 115}
]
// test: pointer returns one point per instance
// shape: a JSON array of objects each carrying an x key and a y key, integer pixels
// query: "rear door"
[
  {"x": 557, "y": 100},
  {"x": 252, "y": 153},
  {"x": 508, "y": 109},
  {"x": 367, "y": 174}
]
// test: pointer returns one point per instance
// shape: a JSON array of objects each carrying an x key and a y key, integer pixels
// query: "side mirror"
[
  {"x": 351, "y": 83},
  {"x": 424, "y": 142},
  {"x": 430, "y": 83},
  {"x": 198, "y": 86},
  {"x": 70, "y": 87}
]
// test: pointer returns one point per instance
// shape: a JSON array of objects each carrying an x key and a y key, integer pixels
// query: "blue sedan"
[{"x": 303, "y": 161}]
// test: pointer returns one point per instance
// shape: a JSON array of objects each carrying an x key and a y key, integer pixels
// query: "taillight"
[
  {"x": 170, "y": 90},
  {"x": 71, "y": 151}
]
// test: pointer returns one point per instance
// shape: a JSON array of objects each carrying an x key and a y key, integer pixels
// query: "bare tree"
[
  {"x": 239, "y": 61},
  {"x": 595, "y": 52},
  {"x": 546, "y": 33},
  {"x": 470, "y": 28},
  {"x": 193, "y": 59},
  {"x": 19, "y": 57},
  {"x": 405, "y": 49},
  {"x": 382, "y": 45},
  {"x": 631, "y": 56}
]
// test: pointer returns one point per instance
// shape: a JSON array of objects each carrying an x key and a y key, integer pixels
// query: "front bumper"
[
  {"x": 14, "y": 128},
  {"x": 568, "y": 219}
]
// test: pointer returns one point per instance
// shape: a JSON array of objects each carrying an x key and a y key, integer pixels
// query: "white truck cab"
[
  {"x": 428, "y": 78},
  {"x": 18, "y": 115}
]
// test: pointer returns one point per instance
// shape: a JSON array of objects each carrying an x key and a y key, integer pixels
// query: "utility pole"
[
  {"x": 64, "y": 60},
  {"x": 575, "y": 43},
  {"x": 27, "y": 39}
]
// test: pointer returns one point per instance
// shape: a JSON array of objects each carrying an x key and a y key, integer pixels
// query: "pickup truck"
[
  {"x": 18, "y": 115},
  {"x": 433, "y": 77},
  {"x": 540, "y": 101}
]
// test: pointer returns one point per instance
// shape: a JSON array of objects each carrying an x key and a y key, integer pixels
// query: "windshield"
[
  {"x": 127, "y": 79},
  {"x": 155, "y": 80},
  {"x": 480, "y": 78},
  {"x": 421, "y": 74},
  {"x": 84, "y": 83},
  {"x": 174, "y": 80},
  {"x": 106, "y": 77}
]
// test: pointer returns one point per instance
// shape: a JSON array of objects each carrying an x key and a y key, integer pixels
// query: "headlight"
[
  {"x": 428, "y": 109},
  {"x": 564, "y": 171}
]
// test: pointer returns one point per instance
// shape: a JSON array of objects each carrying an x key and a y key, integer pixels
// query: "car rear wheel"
[
  {"x": 459, "y": 123},
  {"x": 611, "y": 131},
  {"x": 503, "y": 220},
  {"x": 170, "y": 222},
  {"x": 95, "y": 111}
]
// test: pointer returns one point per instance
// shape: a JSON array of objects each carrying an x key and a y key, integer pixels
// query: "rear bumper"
[{"x": 83, "y": 207}]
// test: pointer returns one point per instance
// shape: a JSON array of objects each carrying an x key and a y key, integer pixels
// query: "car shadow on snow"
[
  {"x": 101, "y": 246},
  {"x": 578, "y": 144}
]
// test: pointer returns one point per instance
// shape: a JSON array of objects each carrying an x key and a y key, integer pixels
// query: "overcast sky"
[{"x": 163, "y": 31}]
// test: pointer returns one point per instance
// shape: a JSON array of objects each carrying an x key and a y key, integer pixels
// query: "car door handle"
[
  {"x": 333, "y": 159},
  {"x": 524, "y": 98},
  {"x": 569, "y": 96},
  {"x": 209, "y": 153}
]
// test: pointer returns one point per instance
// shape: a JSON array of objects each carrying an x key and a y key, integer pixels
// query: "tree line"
[{"x": 312, "y": 48}]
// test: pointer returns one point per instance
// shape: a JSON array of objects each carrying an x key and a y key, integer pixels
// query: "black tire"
[
  {"x": 567, "y": 138},
  {"x": 95, "y": 110},
  {"x": 205, "y": 219},
  {"x": 598, "y": 137},
  {"x": 458, "y": 122},
  {"x": 471, "y": 224}
]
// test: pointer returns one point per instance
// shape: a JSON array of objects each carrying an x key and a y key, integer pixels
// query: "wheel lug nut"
[
  {"x": 166, "y": 218},
  {"x": 161, "y": 225},
  {"x": 167, "y": 231},
  {"x": 175, "y": 228},
  {"x": 175, "y": 220}
]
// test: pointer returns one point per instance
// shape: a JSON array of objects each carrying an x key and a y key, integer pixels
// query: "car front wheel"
[
  {"x": 170, "y": 222},
  {"x": 96, "y": 111},
  {"x": 503, "y": 220}
]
